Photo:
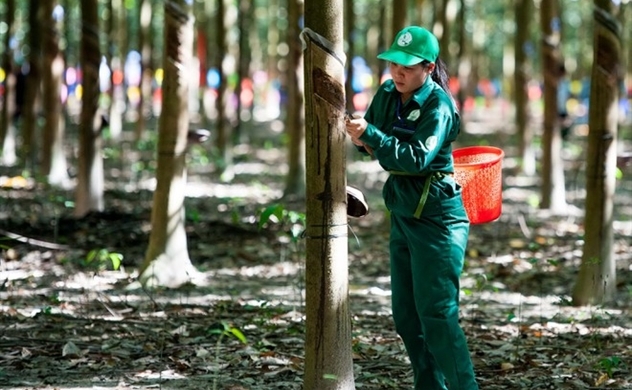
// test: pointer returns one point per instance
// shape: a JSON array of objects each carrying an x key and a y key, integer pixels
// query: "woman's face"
[{"x": 407, "y": 79}]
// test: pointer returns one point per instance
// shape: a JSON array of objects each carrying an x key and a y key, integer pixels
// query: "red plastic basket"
[{"x": 478, "y": 169}]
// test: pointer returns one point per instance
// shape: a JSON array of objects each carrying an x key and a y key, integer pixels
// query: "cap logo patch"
[{"x": 405, "y": 40}]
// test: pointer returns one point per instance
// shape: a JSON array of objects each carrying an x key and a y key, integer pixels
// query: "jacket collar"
[{"x": 420, "y": 95}]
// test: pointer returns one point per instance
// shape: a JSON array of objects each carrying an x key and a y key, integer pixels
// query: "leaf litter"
[{"x": 66, "y": 323}]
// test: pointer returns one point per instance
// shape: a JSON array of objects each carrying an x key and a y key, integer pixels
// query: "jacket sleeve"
[{"x": 415, "y": 154}]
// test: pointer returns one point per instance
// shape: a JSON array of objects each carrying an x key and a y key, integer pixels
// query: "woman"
[{"x": 409, "y": 128}]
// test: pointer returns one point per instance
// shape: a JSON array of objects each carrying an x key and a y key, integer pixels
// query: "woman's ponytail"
[{"x": 441, "y": 77}]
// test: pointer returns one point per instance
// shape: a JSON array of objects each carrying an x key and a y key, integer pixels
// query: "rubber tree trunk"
[
  {"x": 244, "y": 61},
  {"x": 145, "y": 14},
  {"x": 29, "y": 145},
  {"x": 553, "y": 186},
  {"x": 114, "y": 30},
  {"x": 328, "y": 360},
  {"x": 350, "y": 37},
  {"x": 522, "y": 75},
  {"x": 442, "y": 30},
  {"x": 7, "y": 130},
  {"x": 167, "y": 261},
  {"x": 53, "y": 155},
  {"x": 90, "y": 186},
  {"x": 295, "y": 115},
  {"x": 400, "y": 16},
  {"x": 224, "y": 139},
  {"x": 596, "y": 282},
  {"x": 463, "y": 60}
]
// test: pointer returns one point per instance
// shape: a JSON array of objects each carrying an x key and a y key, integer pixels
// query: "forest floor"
[{"x": 67, "y": 323}]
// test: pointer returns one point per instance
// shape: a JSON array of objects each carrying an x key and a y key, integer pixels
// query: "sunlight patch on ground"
[
  {"x": 199, "y": 189},
  {"x": 623, "y": 227},
  {"x": 293, "y": 293},
  {"x": 374, "y": 290},
  {"x": 163, "y": 375},
  {"x": 285, "y": 268},
  {"x": 256, "y": 192},
  {"x": 18, "y": 274},
  {"x": 104, "y": 281},
  {"x": 552, "y": 329},
  {"x": 547, "y": 310},
  {"x": 252, "y": 168}
]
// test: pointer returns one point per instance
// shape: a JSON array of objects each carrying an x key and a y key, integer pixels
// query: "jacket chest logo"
[{"x": 414, "y": 115}]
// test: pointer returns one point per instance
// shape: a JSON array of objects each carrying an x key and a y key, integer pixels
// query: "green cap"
[{"x": 411, "y": 46}]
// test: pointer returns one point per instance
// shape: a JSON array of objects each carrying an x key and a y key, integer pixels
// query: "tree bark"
[
  {"x": 350, "y": 35},
  {"x": 400, "y": 13},
  {"x": 464, "y": 63},
  {"x": 328, "y": 360},
  {"x": 245, "y": 25},
  {"x": 89, "y": 191},
  {"x": 628, "y": 39},
  {"x": 625, "y": 14},
  {"x": 522, "y": 75},
  {"x": 224, "y": 139},
  {"x": 53, "y": 155},
  {"x": 443, "y": 32},
  {"x": 553, "y": 186},
  {"x": 29, "y": 146},
  {"x": 419, "y": 11},
  {"x": 383, "y": 41},
  {"x": 295, "y": 116},
  {"x": 596, "y": 282},
  {"x": 167, "y": 261},
  {"x": 7, "y": 130},
  {"x": 113, "y": 59},
  {"x": 144, "y": 103}
]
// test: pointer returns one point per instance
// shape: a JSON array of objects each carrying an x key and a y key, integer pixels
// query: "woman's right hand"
[{"x": 355, "y": 127}]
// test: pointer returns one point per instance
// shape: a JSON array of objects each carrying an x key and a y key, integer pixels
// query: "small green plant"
[
  {"x": 481, "y": 281},
  {"x": 100, "y": 259},
  {"x": 533, "y": 246},
  {"x": 292, "y": 228},
  {"x": 564, "y": 301},
  {"x": 54, "y": 299},
  {"x": 610, "y": 365},
  {"x": 46, "y": 310},
  {"x": 292, "y": 220},
  {"x": 224, "y": 329},
  {"x": 553, "y": 262},
  {"x": 193, "y": 215},
  {"x": 198, "y": 156}
]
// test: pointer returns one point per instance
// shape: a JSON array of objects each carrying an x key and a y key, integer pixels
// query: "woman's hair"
[{"x": 440, "y": 75}]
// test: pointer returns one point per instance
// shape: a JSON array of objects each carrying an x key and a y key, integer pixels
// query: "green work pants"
[{"x": 427, "y": 256}]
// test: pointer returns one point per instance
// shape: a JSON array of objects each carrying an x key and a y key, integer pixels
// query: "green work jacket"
[{"x": 413, "y": 140}]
